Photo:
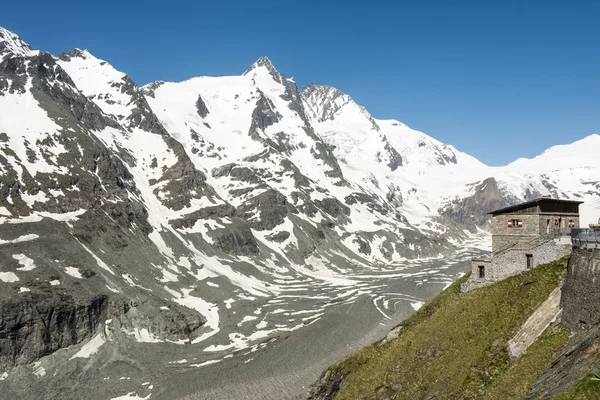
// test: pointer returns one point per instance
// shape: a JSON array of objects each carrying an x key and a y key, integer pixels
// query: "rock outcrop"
[{"x": 580, "y": 295}]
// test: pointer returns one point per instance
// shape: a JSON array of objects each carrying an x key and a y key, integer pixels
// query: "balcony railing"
[{"x": 584, "y": 238}]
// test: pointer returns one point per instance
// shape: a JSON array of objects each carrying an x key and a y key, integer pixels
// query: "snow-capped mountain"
[{"x": 219, "y": 211}]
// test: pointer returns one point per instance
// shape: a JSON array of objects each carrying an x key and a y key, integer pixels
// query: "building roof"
[{"x": 532, "y": 203}]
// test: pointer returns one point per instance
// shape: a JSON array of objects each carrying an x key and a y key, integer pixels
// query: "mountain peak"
[
  {"x": 75, "y": 53},
  {"x": 11, "y": 43},
  {"x": 262, "y": 62}
]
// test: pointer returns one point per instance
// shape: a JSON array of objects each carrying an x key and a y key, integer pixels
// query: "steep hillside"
[{"x": 455, "y": 346}]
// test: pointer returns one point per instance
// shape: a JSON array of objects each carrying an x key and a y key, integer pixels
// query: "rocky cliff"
[{"x": 580, "y": 299}]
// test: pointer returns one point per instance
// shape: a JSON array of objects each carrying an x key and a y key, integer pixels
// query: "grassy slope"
[
  {"x": 455, "y": 345},
  {"x": 588, "y": 388},
  {"x": 514, "y": 382}
]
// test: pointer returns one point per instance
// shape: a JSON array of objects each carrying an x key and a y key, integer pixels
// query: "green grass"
[
  {"x": 588, "y": 388},
  {"x": 455, "y": 345},
  {"x": 514, "y": 382}
]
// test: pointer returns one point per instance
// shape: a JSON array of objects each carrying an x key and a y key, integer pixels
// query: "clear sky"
[{"x": 497, "y": 79}]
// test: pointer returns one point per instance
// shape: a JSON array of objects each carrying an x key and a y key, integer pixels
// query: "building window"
[
  {"x": 481, "y": 272},
  {"x": 515, "y": 223},
  {"x": 529, "y": 260}
]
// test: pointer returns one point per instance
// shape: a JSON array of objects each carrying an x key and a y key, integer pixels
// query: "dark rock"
[
  {"x": 279, "y": 237},
  {"x": 187, "y": 221},
  {"x": 395, "y": 159},
  {"x": 333, "y": 207},
  {"x": 45, "y": 322},
  {"x": 579, "y": 358},
  {"x": 263, "y": 116},
  {"x": 472, "y": 211},
  {"x": 264, "y": 211},
  {"x": 201, "y": 107},
  {"x": 363, "y": 246},
  {"x": 236, "y": 239},
  {"x": 580, "y": 297},
  {"x": 329, "y": 385}
]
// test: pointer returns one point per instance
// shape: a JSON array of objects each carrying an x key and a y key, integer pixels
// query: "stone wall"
[
  {"x": 533, "y": 225},
  {"x": 475, "y": 281},
  {"x": 553, "y": 229},
  {"x": 513, "y": 262},
  {"x": 502, "y": 235},
  {"x": 581, "y": 291}
]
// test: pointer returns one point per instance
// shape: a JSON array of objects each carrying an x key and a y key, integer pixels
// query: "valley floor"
[
  {"x": 286, "y": 369},
  {"x": 282, "y": 368}
]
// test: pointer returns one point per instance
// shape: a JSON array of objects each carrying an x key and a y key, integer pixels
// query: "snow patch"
[
  {"x": 74, "y": 272},
  {"x": 8, "y": 277},
  {"x": 91, "y": 347},
  {"x": 131, "y": 396},
  {"x": 26, "y": 262},
  {"x": 24, "y": 238}
]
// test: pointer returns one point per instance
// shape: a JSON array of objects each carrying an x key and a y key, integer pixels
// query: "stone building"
[{"x": 524, "y": 236}]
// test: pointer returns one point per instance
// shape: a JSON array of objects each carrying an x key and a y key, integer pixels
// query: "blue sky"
[{"x": 497, "y": 79}]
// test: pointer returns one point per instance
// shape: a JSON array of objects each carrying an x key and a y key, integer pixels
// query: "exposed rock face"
[
  {"x": 326, "y": 389},
  {"x": 580, "y": 299},
  {"x": 264, "y": 115},
  {"x": 331, "y": 102},
  {"x": 471, "y": 212},
  {"x": 265, "y": 211},
  {"x": 43, "y": 323},
  {"x": 237, "y": 239},
  {"x": 579, "y": 358},
  {"x": 201, "y": 107}
]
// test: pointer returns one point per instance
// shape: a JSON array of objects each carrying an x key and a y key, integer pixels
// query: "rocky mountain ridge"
[{"x": 195, "y": 212}]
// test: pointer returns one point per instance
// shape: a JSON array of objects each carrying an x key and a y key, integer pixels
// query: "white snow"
[
  {"x": 26, "y": 262},
  {"x": 14, "y": 44},
  {"x": 131, "y": 396},
  {"x": 228, "y": 303},
  {"x": 91, "y": 347},
  {"x": 209, "y": 362},
  {"x": 38, "y": 370},
  {"x": 142, "y": 335},
  {"x": 24, "y": 238},
  {"x": 74, "y": 272},
  {"x": 100, "y": 263},
  {"x": 209, "y": 310},
  {"x": 8, "y": 277}
]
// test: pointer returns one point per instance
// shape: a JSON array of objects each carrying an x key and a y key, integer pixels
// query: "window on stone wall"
[
  {"x": 515, "y": 223},
  {"x": 481, "y": 272},
  {"x": 529, "y": 258}
]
